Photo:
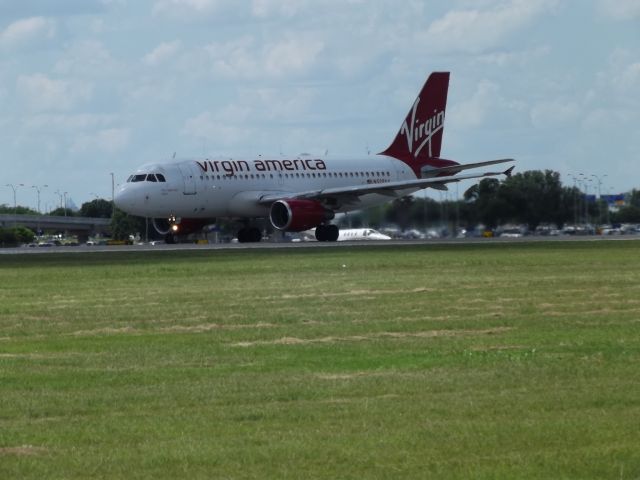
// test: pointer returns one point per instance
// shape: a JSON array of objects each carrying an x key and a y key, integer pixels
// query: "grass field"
[{"x": 463, "y": 361}]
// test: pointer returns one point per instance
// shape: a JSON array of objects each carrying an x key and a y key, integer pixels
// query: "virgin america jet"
[{"x": 301, "y": 193}]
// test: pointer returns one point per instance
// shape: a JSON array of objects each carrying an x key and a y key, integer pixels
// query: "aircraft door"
[{"x": 188, "y": 178}]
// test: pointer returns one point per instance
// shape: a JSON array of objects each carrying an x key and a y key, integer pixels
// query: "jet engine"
[
  {"x": 162, "y": 225},
  {"x": 296, "y": 215}
]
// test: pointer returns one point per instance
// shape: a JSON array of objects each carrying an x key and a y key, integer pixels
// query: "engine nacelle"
[
  {"x": 180, "y": 226},
  {"x": 161, "y": 225},
  {"x": 297, "y": 215}
]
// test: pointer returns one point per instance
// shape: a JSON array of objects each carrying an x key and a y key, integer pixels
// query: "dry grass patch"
[
  {"x": 373, "y": 336},
  {"x": 23, "y": 451}
]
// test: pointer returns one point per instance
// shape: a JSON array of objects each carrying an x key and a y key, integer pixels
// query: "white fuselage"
[
  {"x": 352, "y": 234},
  {"x": 229, "y": 188}
]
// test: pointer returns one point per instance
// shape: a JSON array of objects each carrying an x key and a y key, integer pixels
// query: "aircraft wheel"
[
  {"x": 255, "y": 235},
  {"x": 249, "y": 235},
  {"x": 321, "y": 233},
  {"x": 333, "y": 232}
]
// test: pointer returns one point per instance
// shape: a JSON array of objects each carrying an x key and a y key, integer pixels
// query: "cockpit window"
[
  {"x": 151, "y": 178},
  {"x": 139, "y": 178},
  {"x": 160, "y": 177}
]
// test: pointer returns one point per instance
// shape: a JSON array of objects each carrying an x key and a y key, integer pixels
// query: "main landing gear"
[
  {"x": 249, "y": 235},
  {"x": 327, "y": 233}
]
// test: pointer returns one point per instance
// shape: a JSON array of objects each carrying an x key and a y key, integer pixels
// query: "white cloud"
[
  {"x": 86, "y": 58},
  {"x": 108, "y": 140},
  {"x": 619, "y": 83},
  {"x": 627, "y": 80},
  {"x": 26, "y": 31},
  {"x": 233, "y": 58},
  {"x": 474, "y": 31},
  {"x": 161, "y": 53},
  {"x": 245, "y": 58},
  {"x": 554, "y": 114},
  {"x": 207, "y": 126},
  {"x": 43, "y": 93},
  {"x": 291, "y": 55},
  {"x": 603, "y": 121},
  {"x": 279, "y": 104},
  {"x": 474, "y": 111},
  {"x": 620, "y": 9},
  {"x": 507, "y": 58},
  {"x": 69, "y": 122},
  {"x": 284, "y": 8},
  {"x": 185, "y": 8}
]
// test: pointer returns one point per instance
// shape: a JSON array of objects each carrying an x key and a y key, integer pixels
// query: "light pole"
[
  {"x": 113, "y": 194},
  {"x": 575, "y": 201},
  {"x": 60, "y": 195},
  {"x": 14, "y": 188},
  {"x": 15, "y": 204},
  {"x": 38, "y": 189},
  {"x": 585, "y": 181},
  {"x": 65, "y": 203},
  {"x": 586, "y": 200},
  {"x": 600, "y": 181}
]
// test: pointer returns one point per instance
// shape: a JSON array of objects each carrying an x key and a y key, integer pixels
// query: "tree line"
[{"x": 530, "y": 198}]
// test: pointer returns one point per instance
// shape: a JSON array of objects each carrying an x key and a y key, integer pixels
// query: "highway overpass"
[{"x": 83, "y": 227}]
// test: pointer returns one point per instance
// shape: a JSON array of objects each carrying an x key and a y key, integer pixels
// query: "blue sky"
[{"x": 90, "y": 87}]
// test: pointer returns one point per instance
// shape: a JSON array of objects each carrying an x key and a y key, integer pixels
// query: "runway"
[{"x": 303, "y": 245}]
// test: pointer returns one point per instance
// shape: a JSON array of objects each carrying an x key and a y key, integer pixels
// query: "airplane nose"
[{"x": 125, "y": 199}]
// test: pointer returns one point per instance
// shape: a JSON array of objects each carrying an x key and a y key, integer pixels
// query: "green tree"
[
  {"x": 19, "y": 210},
  {"x": 400, "y": 211},
  {"x": 628, "y": 214},
  {"x": 535, "y": 197},
  {"x": 98, "y": 208},
  {"x": 491, "y": 208},
  {"x": 8, "y": 238},
  {"x": 123, "y": 225},
  {"x": 532, "y": 197},
  {"x": 12, "y": 237},
  {"x": 634, "y": 198},
  {"x": 60, "y": 212}
]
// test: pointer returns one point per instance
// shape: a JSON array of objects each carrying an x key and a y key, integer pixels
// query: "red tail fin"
[{"x": 420, "y": 137}]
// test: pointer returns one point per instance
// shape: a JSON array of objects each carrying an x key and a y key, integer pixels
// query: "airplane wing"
[
  {"x": 338, "y": 196},
  {"x": 432, "y": 172}
]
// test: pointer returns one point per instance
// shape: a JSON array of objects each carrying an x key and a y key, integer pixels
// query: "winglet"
[{"x": 508, "y": 171}]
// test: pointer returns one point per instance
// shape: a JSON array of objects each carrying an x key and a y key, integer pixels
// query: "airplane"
[
  {"x": 349, "y": 234},
  {"x": 304, "y": 192}
]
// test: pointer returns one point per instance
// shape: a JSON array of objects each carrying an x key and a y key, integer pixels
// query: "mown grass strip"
[{"x": 483, "y": 361}]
